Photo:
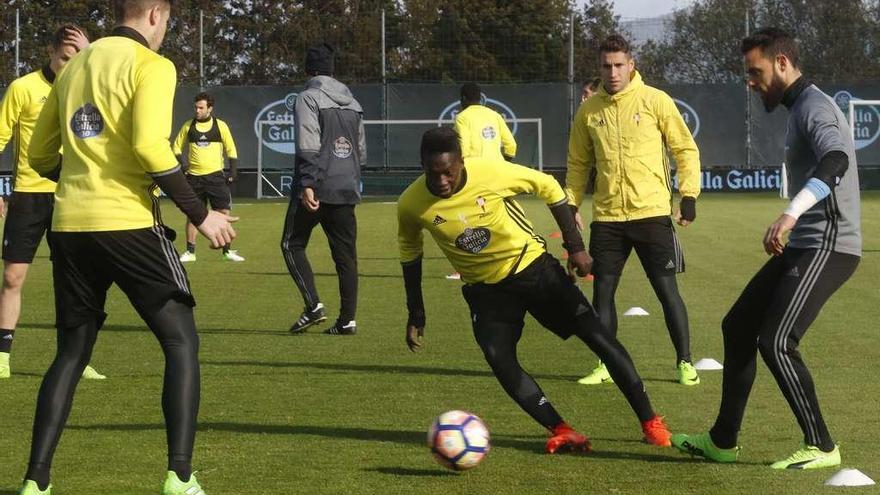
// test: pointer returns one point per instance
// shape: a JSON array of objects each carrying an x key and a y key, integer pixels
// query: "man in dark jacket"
[{"x": 330, "y": 149}]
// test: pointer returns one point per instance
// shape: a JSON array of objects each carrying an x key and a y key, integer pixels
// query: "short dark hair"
[
  {"x": 206, "y": 97},
  {"x": 60, "y": 34},
  {"x": 437, "y": 141},
  {"x": 773, "y": 41},
  {"x": 471, "y": 93},
  {"x": 615, "y": 43},
  {"x": 127, "y": 9},
  {"x": 593, "y": 83}
]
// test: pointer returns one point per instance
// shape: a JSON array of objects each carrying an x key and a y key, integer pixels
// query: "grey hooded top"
[{"x": 330, "y": 142}]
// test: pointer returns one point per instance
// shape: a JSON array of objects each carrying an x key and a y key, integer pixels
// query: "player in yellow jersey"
[
  {"x": 470, "y": 211},
  {"x": 28, "y": 210},
  {"x": 111, "y": 111},
  {"x": 207, "y": 139},
  {"x": 482, "y": 130}
]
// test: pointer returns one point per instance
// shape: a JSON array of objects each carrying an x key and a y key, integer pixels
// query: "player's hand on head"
[
  {"x": 217, "y": 228},
  {"x": 76, "y": 38},
  {"x": 414, "y": 337},
  {"x": 579, "y": 264},
  {"x": 774, "y": 243}
]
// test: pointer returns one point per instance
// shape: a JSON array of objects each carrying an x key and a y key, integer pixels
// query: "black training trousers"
[
  {"x": 145, "y": 266},
  {"x": 340, "y": 226},
  {"x": 771, "y": 316},
  {"x": 544, "y": 290}
]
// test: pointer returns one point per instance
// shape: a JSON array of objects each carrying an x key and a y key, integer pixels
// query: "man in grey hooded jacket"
[{"x": 330, "y": 150}]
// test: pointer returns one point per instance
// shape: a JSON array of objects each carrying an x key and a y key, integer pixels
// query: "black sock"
[
  {"x": 39, "y": 473},
  {"x": 6, "y": 340},
  {"x": 226, "y": 248},
  {"x": 191, "y": 247},
  {"x": 541, "y": 410},
  {"x": 182, "y": 466}
]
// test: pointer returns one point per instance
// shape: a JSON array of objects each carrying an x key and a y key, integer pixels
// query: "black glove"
[
  {"x": 688, "y": 208},
  {"x": 232, "y": 177}
]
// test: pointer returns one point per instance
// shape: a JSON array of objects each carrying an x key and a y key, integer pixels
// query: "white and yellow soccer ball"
[{"x": 458, "y": 440}]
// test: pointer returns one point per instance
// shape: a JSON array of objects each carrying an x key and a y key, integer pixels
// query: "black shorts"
[
  {"x": 212, "y": 188},
  {"x": 142, "y": 262},
  {"x": 543, "y": 289},
  {"x": 653, "y": 238},
  {"x": 28, "y": 217}
]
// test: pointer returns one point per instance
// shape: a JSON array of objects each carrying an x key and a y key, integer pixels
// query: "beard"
[{"x": 773, "y": 96}]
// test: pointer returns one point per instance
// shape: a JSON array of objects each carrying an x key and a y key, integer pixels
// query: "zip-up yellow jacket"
[{"x": 624, "y": 137}]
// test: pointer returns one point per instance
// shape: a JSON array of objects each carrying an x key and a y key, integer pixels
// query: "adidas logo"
[
  {"x": 7, "y": 337},
  {"x": 543, "y": 401},
  {"x": 793, "y": 272},
  {"x": 438, "y": 220},
  {"x": 670, "y": 265}
]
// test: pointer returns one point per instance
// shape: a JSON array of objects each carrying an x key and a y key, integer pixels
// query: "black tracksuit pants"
[
  {"x": 340, "y": 226},
  {"x": 771, "y": 316}
]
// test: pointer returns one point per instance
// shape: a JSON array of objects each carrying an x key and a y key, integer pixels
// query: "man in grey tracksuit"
[
  {"x": 785, "y": 296},
  {"x": 330, "y": 149}
]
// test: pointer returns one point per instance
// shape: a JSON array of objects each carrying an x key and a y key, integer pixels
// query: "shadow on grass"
[
  {"x": 534, "y": 446},
  {"x": 375, "y": 368},
  {"x": 402, "y": 471},
  {"x": 328, "y": 274},
  {"x": 281, "y": 332},
  {"x": 8, "y": 492}
]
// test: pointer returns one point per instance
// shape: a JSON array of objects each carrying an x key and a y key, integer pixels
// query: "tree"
[{"x": 591, "y": 25}]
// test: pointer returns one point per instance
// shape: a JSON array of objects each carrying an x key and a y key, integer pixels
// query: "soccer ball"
[{"x": 459, "y": 440}]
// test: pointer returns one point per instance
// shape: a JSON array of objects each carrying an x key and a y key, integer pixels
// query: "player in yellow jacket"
[
  {"x": 618, "y": 145},
  {"x": 207, "y": 139},
  {"x": 482, "y": 131},
  {"x": 28, "y": 210}
]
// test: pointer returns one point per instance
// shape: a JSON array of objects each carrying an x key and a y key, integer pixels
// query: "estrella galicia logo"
[
  {"x": 87, "y": 122},
  {"x": 473, "y": 240},
  {"x": 342, "y": 147},
  {"x": 452, "y": 110},
  {"x": 866, "y": 119},
  {"x": 278, "y": 125},
  {"x": 690, "y": 116}
]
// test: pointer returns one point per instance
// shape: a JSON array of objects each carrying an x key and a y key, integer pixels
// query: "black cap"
[{"x": 319, "y": 59}]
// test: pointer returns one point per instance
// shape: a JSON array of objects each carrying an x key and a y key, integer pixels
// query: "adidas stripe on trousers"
[{"x": 771, "y": 316}]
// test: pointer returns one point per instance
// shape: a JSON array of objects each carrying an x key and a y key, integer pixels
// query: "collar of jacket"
[
  {"x": 48, "y": 74},
  {"x": 793, "y": 91},
  {"x": 635, "y": 83}
]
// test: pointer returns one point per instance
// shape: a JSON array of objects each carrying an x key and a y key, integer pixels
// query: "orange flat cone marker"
[{"x": 555, "y": 235}]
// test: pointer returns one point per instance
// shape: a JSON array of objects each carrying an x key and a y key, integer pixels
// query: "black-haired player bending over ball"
[{"x": 471, "y": 213}]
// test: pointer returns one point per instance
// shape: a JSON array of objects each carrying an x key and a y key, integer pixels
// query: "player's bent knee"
[{"x": 771, "y": 348}]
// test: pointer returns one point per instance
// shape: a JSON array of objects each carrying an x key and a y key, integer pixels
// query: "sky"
[{"x": 646, "y": 8}]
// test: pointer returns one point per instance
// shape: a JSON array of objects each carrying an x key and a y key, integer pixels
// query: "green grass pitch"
[{"x": 313, "y": 414}]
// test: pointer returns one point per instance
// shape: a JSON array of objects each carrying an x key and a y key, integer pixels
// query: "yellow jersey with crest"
[
  {"x": 484, "y": 133},
  {"x": 22, "y": 104},
  {"x": 481, "y": 229},
  {"x": 110, "y": 108},
  {"x": 206, "y": 143}
]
